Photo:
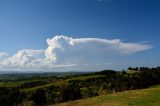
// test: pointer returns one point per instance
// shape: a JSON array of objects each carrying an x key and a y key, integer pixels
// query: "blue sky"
[{"x": 26, "y": 24}]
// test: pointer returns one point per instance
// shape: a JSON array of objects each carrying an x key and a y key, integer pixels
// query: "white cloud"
[
  {"x": 66, "y": 53},
  {"x": 26, "y": 58},
  {"x": 3, "y": 55},
  {"x": 62, "y": 49}
]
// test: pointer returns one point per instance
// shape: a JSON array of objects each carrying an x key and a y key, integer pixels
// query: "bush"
[
  {"x": 39, "y": 97},
  {"x": 10, "y": 96},
  {"x": 69, "y": 93}
]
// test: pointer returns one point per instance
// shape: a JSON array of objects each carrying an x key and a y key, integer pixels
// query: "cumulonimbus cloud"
[{"x": 72, "y": 53}]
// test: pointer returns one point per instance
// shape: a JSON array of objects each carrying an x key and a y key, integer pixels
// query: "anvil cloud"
[{"x": 70, "y": 54}]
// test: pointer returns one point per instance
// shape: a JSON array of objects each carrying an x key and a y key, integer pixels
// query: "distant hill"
[{"x": 11, "y": 76}]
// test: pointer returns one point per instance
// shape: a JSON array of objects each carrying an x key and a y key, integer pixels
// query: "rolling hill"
[{"x": 142, "y": 97}]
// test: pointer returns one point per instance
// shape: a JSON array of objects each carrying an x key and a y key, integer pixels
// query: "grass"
[{"x": 142, "y": 97}]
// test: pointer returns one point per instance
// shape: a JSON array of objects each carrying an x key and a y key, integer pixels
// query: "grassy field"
[{"x": 142, "y": 97}]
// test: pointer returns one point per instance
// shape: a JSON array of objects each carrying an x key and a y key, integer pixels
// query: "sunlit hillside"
[{"x": 143, "y": 97}]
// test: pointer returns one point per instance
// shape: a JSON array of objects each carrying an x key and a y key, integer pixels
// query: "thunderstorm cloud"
[{"x": 70, "y": 54}]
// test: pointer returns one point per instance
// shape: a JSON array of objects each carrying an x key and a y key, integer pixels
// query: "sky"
[{"x": 78, "y": 35}]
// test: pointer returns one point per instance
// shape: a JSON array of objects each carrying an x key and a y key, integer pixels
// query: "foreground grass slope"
[{"x": 142, "y": 97}]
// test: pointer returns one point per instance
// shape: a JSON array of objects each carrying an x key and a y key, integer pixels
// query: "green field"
[{"x": 142, "y": 97}]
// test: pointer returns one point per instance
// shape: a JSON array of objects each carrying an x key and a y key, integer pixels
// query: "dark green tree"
[
  {"x": 70, "y": 92},
  {"x": 10, "y": 96},
  {"x": 39, "y": 97}
]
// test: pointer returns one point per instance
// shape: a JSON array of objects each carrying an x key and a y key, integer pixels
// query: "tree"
[
  {"x": 39, "y": 97},
  {"x": 70, "y": 92},
  {"x": 87, "y": 92},
  {"x": 10, "y": 96}
]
